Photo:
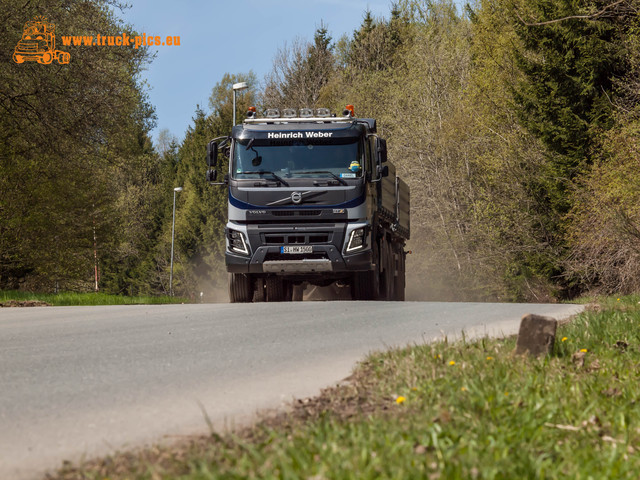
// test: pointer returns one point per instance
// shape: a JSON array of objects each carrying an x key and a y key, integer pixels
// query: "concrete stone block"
[{"x": 537, "y": 335}]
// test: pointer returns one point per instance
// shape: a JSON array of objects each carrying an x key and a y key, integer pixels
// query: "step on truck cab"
[{"x": 312, "y": 201}]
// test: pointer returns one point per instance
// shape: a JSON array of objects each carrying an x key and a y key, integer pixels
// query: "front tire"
[
  {"x": 240, "y": 289},
  {"x": 46, "y": 58}
]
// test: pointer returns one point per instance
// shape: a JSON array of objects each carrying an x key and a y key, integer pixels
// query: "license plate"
[{"x": 297, "y": 249}]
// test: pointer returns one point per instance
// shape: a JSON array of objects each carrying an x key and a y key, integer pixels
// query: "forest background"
[{"x": 515, "y": 123}]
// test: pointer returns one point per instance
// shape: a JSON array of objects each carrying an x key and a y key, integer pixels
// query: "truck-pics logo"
[{"x": 38, "y": 43}]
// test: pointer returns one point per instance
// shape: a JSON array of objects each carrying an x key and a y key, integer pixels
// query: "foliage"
[
  {"x": 299, "y": 73},
  {"x": 75, "y": 298},
  {"x": 68, "y": 133}
]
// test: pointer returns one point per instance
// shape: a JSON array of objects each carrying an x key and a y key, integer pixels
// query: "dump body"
[{"x": 314, "y": 202}]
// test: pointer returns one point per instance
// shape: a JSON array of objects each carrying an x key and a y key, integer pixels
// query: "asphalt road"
[{"x": 76, "y": 382}]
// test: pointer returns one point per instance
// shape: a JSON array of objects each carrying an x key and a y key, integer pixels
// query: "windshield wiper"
[
  {"x": 261, "y": 172},
  {"x": 323, "y": 171}
]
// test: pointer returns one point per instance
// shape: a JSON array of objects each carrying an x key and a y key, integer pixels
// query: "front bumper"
[{"x": 328, "y": 260}]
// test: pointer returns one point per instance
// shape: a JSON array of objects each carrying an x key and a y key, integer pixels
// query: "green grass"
[
  {"x": 470, "y": 410},
  {"x": 71, "y": 298}
]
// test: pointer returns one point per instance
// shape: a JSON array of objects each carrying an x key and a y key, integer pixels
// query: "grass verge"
[
  {"x": 447, "y": 410},
  {"x": 11, "y": 297}
]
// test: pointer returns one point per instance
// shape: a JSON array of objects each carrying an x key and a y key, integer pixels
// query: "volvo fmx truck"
[{"x": 312, "y": 201}]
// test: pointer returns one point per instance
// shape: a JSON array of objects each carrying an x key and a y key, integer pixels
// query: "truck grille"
[
  {"x": 296, "y": 239},
  {"x": 296, "y": 213}
]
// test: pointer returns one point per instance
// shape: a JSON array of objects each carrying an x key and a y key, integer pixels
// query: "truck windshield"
[{"x": 342, "y": 158}]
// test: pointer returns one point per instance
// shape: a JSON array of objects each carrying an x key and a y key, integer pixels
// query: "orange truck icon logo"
[{"x": 38, "y": 43}]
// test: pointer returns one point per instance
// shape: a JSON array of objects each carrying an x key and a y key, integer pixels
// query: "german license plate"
[{"x": 297, "y": 249}]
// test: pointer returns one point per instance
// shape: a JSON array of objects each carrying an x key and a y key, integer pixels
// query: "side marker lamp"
[{"x": 349, "y": 110}]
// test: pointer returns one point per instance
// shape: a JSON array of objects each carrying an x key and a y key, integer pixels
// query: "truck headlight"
[
  {"x": 356, "y": 239},
  {"x": 237, "y": 242}
]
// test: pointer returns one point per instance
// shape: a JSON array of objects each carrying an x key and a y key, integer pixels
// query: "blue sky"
[{"x": 234, "y": 36}]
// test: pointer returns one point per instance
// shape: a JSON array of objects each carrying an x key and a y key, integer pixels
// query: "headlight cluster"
[
  {"x": 237, "y": 242},
  {"x": 356, "y": 239}
]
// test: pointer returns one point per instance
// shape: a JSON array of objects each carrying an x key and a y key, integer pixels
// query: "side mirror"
[
  {"x": 212, "y": 175},
  {"x": 381, "y": 149},
  {"x": 212, "y": 154}
]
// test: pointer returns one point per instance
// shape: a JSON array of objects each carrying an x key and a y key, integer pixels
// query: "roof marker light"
[
  {"x": 272, "y": 113},
  {"x": 306, "y": 113},
  {"x": 289, "y": 113},
  {"x": 349, "y": 110},
  {"x": 323, "y": 112}
]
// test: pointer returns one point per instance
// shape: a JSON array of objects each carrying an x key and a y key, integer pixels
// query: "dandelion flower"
[
  {"x": 618, "y": 299},
  {"x": 489, "y": 358},
  {"x": 414, "y": 389},
  {"x": 583, "y": 350},
  {"x": 463, "y": 389},
  {"x": 452, "y": 363},
  {"x": 400, "y": 400},
  {"x": 564, "y": 339}
]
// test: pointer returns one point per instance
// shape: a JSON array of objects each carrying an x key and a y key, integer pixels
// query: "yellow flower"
[
  {"x": 489, "y": 358},
  {"x": 464, "y": 389},
  {"x": 400, "y": 400},
  {"x": 564, "y": 339},
  {"x": 618, "y": 299},
  {"x": 414, "y": 389},
  {"x": 583, "y": 350},
  {"x": 437, "y": 356},
  {"x": 506, "y": 394},
  {"x": 452, "y": 363}
]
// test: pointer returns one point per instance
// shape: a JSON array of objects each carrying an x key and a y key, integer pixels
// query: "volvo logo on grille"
[{"x": 296, "y": 197}]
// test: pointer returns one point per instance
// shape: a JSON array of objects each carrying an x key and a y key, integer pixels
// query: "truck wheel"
[
  {"x": 275, "y": 289},
  {"x": 46, "y": 58},
  {"x": 400, "y": 282},
  {"x": 365, "y": 286},
  {"x": 240, "y": 290},
  {"x": 18, "y": 58},
  {"x": 387, "y": 278},
  {"x": 62, "y": 57},
  {"x": 259, "y": 294}
]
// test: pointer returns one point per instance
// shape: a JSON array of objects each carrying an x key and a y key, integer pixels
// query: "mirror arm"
[{"x": 223, "y": 140}]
